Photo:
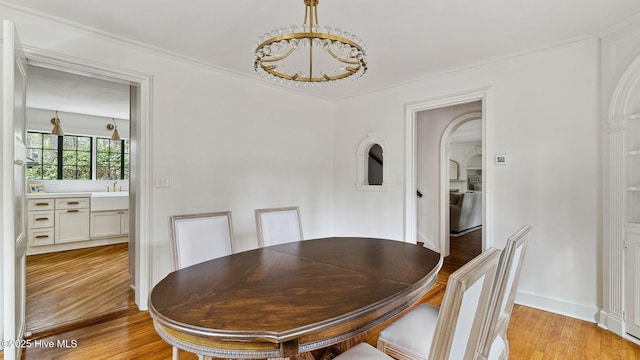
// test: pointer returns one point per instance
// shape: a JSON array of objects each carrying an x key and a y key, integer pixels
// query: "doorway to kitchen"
[{"x": 83, "y": 271}]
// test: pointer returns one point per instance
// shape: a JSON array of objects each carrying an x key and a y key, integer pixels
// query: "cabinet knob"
[
  {"x": 42, "y": 219},
  {"x": 73, "y": 211},
  {"x": 41, "y": 236}
]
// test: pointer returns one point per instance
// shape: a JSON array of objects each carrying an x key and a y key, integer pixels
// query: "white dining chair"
[
  {"x": 453, "y": 330},
  {"x": 493, "y": 343},
  {"x": 196, "y": 238},
  {"x": 278, "y": 225}
]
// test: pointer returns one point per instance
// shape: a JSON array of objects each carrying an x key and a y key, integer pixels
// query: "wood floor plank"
[{"x": 69, "y": 287}]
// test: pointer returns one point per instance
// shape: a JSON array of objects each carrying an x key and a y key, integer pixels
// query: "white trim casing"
[
  {"x": 614, "y": 187},
  {"x": 444, "y": 177},
  {"x": 411, "y": 112}
]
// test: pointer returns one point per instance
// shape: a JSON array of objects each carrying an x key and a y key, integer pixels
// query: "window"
[
  {"x": 112, "y": 159},
  {"x": 42, "y": 156},
  {"x": 76, "y": 158},
  {"x": 47, "y": 160},
  {"x": 71, "y": 157}
]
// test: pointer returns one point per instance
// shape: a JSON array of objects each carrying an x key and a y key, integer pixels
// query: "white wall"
[
  {"x": 225, "y": 140},
  {"x": 542, "y": 111}
]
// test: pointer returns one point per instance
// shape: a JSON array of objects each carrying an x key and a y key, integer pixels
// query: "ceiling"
[
  {"x": 406, "y": 39},
  {"x": 55, "y": 90},
  {"x": 469, "y": 132}
]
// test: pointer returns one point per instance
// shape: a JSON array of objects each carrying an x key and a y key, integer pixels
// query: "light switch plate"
[{"x": 162, "y": 181}]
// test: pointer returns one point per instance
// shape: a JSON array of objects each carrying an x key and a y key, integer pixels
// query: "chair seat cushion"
[
  {"x": 363, "y": 351},
  {"x": 413, "y": 332}
]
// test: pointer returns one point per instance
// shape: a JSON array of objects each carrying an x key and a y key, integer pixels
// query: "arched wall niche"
[{"x": 372, "y": 151}]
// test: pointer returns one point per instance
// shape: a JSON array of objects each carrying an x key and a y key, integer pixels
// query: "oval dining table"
[{"x": 289, "y": 299}]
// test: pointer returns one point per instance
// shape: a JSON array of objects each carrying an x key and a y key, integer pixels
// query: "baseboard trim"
[
  {"x": 558, "y": 306},
  {"x": 427, "y": 243},
  {"x": 612, "y": 323}
]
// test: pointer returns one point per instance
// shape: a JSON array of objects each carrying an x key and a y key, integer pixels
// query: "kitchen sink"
[{"x": 109, "y": 201}]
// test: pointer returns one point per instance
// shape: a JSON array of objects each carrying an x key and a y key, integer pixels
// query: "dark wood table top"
[{"x": 291, "y": 298}]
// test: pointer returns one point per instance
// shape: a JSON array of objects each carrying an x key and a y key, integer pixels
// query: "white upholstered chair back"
[
  {"x": 494, "y": 343},
  {"x": 278, "y": 225},
  {"x": 200, "y": 237},
  {"x": 464, "y": 309}
]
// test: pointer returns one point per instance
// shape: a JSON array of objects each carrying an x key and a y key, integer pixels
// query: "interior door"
[{"x": 14, "y": 158}]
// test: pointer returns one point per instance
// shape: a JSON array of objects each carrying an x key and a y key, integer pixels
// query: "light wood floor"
[
  {"x": 74, "y": 287},
  {"x": 533, "y": 334}
]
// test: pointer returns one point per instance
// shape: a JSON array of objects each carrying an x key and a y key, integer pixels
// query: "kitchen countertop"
[{"x": 75, "y": 194}]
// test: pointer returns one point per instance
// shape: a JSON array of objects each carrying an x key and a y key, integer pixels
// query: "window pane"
[
  {"x": 109, "y": 159},
  {"x": 84, "y": 143},
  {"x": 49, "y": 141},
  {"x": 49, "y": 172},
  {"x": 39, "y": 153},
  {"x": 34, "y": 140},
  {"x": 69, "y": 143}
]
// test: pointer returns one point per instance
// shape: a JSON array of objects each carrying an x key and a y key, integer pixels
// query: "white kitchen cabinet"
[
  {"x": 109, "y": 223},
  {"x": 72, "y": 225},
  {"x": 124, "y": 223},
  {"x": 61, "y": 222},
  {"x": 72, "y": 220},
  {"x": 40, "y": 222}
]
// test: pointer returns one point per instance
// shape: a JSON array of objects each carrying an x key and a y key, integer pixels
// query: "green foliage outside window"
[
  {"x": 112, "y": 159},
  {"x": 76, "y": 158}
]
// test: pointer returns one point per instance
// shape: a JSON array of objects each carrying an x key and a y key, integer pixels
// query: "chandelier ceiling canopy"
[{"x": 310, "y": 54}]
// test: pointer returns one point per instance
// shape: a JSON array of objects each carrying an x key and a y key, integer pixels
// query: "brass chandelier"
[{"x": 310, "y": 54}]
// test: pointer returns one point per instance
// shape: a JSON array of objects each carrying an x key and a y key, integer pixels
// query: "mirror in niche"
[
  {"x": 372, "y": 169},
  {"x": 375, "y": 166},
  {"x": 454, "y": 169}
]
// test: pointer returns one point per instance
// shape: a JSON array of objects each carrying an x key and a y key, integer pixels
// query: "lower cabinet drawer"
[
  {"x": 39, "y": 237},
  {"x": 40, "y": 219}
]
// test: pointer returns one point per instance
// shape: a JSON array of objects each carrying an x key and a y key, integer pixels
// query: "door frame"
[
  {"x": 444, "y": 178},
  {"x": 141, "y": 187},
  {"x": 411, "y": 113}
]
